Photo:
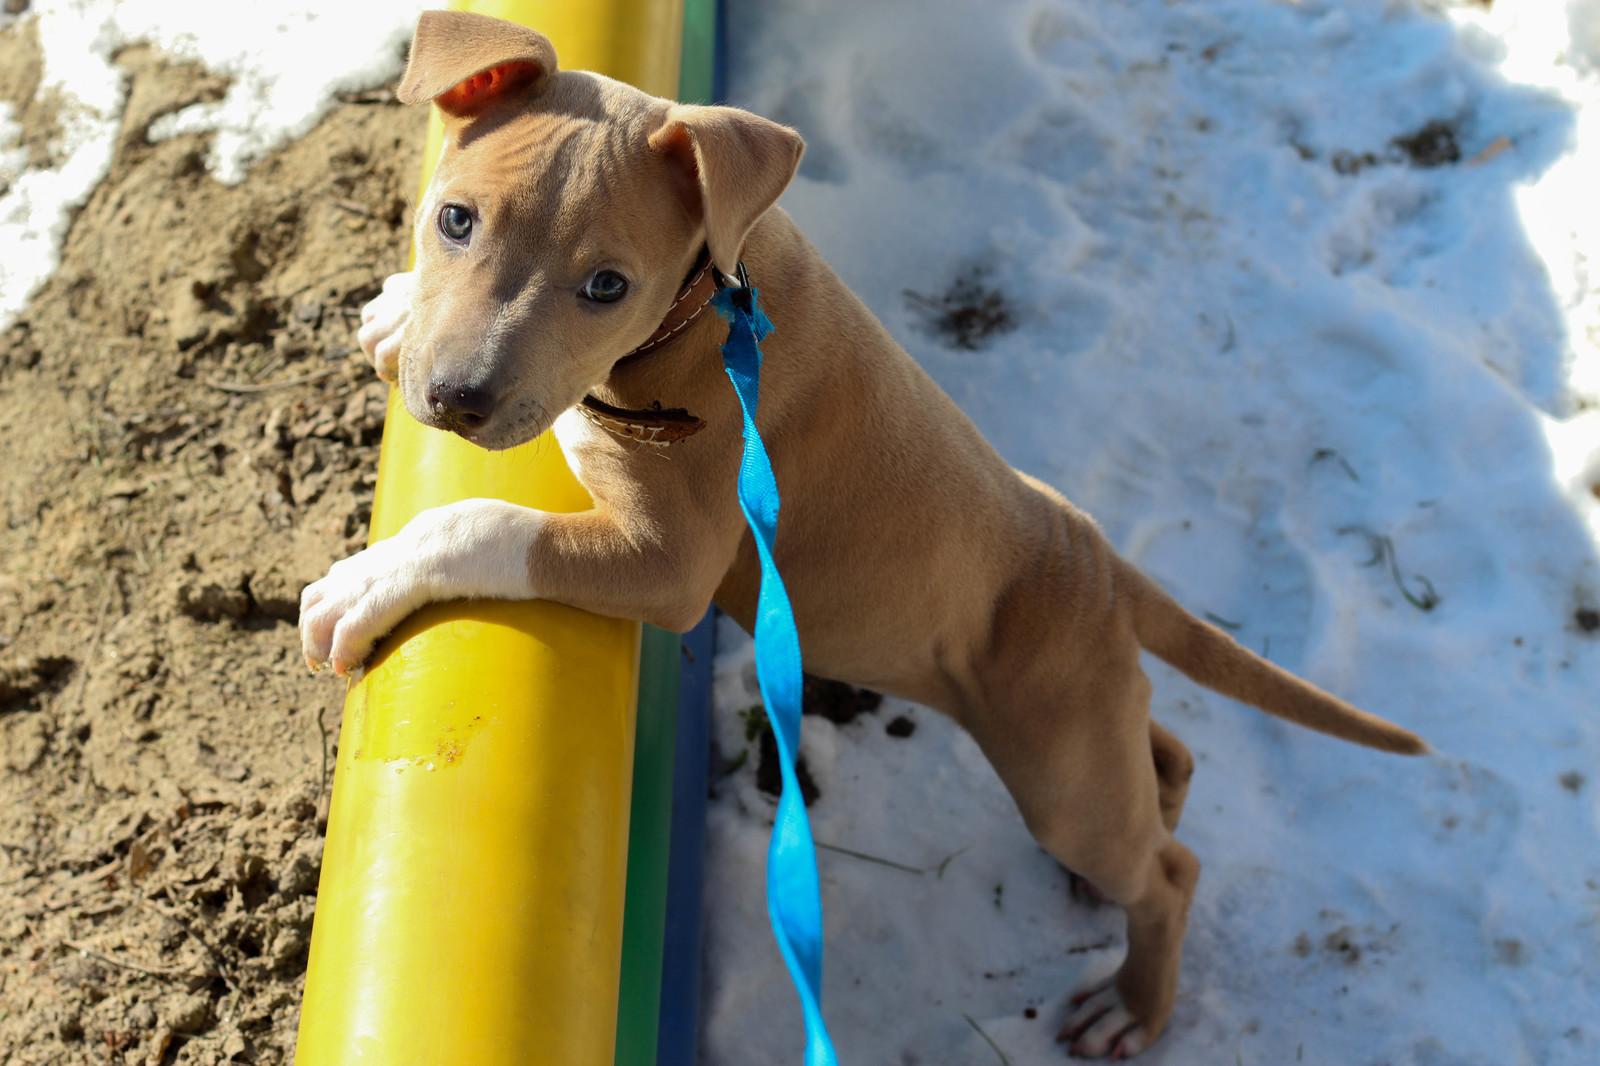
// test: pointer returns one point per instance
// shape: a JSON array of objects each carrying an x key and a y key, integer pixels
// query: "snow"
[
  {"x": 1250, "y": 367},
  {"x": 1259, "y": 371}
]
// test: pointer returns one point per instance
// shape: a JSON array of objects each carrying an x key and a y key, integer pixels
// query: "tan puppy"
[{"x": 565, "y": 214}]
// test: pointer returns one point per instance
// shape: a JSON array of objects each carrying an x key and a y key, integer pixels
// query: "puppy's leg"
[
  {"x": 1122, "y": 1017},
  {"x": 1085, "y": 781},
  {"x": 490, "y": 549},
  {"x": 1174, "y": 768},
  {"x": 1132, "y": 857}
]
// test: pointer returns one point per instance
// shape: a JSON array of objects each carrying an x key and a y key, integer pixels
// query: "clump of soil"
[
  {"x": 187, "y": 443},
  {"x": 769, "y": 771},
  {"x": 836, "y": 701},
  {"x": 1434, "y": 145},
  {"x": 968, "y": 313}
]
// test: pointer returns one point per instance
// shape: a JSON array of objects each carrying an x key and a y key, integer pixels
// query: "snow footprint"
[
  {"x": 1060, "y": 36},
  {"x": 1382, "y": 228},
  {"x": 1063, "y": 143}
]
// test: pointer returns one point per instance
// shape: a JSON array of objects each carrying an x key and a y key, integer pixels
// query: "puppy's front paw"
[
  {"x": 475, "y": 548},
  {"x": 363, "y": 597},
  {"x": 383, "y": 323}
]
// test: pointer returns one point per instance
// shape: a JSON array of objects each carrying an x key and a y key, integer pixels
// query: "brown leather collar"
[
  {"x": 654, "y": 425},
  {"x": 692, "y": 300},
  {"x": 650, "y": 426}
]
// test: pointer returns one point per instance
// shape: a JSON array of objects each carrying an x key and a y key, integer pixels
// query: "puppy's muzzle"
[{"x": 459, "y": 407}]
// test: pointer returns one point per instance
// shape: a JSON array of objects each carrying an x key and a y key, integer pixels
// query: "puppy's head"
[{"x": 564, "y": 213}]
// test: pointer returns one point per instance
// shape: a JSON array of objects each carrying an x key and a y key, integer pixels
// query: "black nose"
[{"x": 458, "y": 406}]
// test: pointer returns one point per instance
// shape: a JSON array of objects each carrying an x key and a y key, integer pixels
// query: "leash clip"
[{"x": 739, "y": 285}]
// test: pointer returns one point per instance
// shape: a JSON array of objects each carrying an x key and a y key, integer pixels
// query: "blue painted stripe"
[{"x": 677, "y": 1039}]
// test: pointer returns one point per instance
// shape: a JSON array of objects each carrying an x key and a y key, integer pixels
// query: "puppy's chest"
[
  {"x": 598, "y": 459},
  {"x": 612, "y": 466},
  {"x": 578, "y": 438}
]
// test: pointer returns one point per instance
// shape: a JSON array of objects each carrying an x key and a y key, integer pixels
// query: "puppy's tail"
[{"x": 1214, "y": 659}]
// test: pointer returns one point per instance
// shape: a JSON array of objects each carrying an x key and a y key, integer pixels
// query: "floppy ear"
[
  {"x": 464, "y": 62},
  {"x": 730, "y": 166}
]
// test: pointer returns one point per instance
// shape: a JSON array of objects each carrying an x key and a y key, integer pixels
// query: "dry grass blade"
[
  {"x": 871, "y": 858},
  {"x": 1382, "y": 546},
  {"x": 304, "y": 379},
  {"x": 216, "y": 956},
  {"x": 151, "y": 971},
  {"x": 988, "y": 1040}
]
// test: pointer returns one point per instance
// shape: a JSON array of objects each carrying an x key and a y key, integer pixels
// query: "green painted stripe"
[
  {"x": 660, "y": 655},
  {"x": 696, "y": 75},
  {"x": 644, "y": 914}
]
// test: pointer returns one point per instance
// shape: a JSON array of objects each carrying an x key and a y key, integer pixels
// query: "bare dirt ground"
[{"x": 185, "y": 443}]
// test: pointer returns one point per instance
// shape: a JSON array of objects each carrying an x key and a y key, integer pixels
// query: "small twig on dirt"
[
  {"x": 304, "y": 379},
  {"x": 355, "y": 208},
  {"x": 223, "y": 970},
  {"x": 987, "y": 1040},
  {"x": 109, "y": 961},
  {"x": 327, "y": 278},
  {"x": 322, "y": 747},
  {"x": 371, "y": 96},
  {"x": 272, "y": 365},
  {"x": 871, "y": 858},
  {"x": 94, "y": 642}
]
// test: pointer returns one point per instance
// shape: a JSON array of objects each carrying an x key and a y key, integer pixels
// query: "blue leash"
[{"x": 794, "y": 899}]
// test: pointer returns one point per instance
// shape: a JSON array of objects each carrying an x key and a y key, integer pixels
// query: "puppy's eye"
[
  {"x": 455, "y": 222},
  {"x": 606, "y": 287}
]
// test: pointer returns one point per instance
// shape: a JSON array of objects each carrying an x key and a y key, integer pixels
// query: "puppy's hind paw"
[
  {"x": 1100, "y": 1025},
  {"x": 1083, "y": 890}
]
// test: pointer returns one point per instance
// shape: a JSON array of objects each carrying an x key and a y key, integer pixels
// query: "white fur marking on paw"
[
  {"x": 471, "y": 549},
  {"x": 383, "y": 323}
]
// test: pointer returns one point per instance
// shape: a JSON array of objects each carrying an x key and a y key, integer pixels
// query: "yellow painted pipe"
[{"x": 470, "y": 908}]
